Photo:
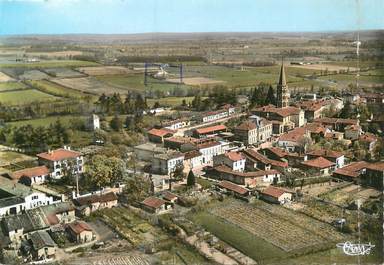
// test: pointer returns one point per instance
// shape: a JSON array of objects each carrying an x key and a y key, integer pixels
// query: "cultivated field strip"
[{"x": 288, "y": 231}]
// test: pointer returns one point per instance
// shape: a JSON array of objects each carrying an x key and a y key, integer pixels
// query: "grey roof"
[
  {"x": 169, "y": 155},
  {"x": 14, "y": 200},
  {"x": 150, "y": 147},
  {"x": 31, "y": 220},
  {"x": 41, "y": 239},
  {"x": 14, "y": 188}
]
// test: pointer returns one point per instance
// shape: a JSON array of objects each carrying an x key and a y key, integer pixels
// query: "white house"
[
  {"x": 209, "y": 150},
  {"x": 60, "y": 159},
  {"x": 93, "y": 122},
  {"x": 167, "y": 163},
  {"x": 16, "y": 197},
  {"x": 31, "y": 176},
  {"x": 276, "y": 195},
  {"x": 177, "y": 124},
  {"x": 215, "y": 115},
  {"x": 234, "y": 160}
]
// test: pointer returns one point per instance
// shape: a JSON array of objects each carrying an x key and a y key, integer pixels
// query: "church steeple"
[{"x": 282, "y": 90}]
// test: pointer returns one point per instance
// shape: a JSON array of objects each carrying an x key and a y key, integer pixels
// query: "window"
[{"x": 35, "y": 197}]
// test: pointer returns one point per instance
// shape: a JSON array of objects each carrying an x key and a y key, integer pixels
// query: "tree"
[
  {"x": 103, "y": 171},
  {"x": 116, "y": 123},
  {"x": 191, "y": 179},
  {"x": 137, "y": 188},
  {"x": 270, "y": 99}
]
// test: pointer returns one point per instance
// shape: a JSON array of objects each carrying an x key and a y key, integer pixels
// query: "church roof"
[{"x": 282, "y": 80}]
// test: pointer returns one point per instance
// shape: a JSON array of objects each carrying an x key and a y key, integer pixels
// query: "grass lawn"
[
  {"x": 57, "y": 90},
  {"x": 65, "y": 120},
  {"x": 170, "y": 101},
  {"x": 8, "y": 86},
  {"x": 136, "y": 82},
  {"x": 7, "y": 157},
  {"x": 51, "y": 64},
  {"x": 24, "y": 97},
  {"x": 252, "y": 246}
]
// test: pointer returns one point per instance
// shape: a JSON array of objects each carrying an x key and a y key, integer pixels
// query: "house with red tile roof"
[
  {"x": 236, "y": 190},
  {"x": 352, "y": 171},
  {"x": 209, "y": 131},
  {"x": 256, "y": 160},
  {"x": 158, "y": 135},
  {"x": 287, "y": 117},
  {"x": 276, "y": 153},
  {"x": 80, "y": 232},
  {"x": 254, "y": 131},
  {"x": 31, "y": 176},
  {"x": 156, "y": 205},
  {"x": 277, "y": 195},
  {"x": 319, "y": 165},
  {"x": 369, "y": 140},
  {"x": 374, "y": 175},
  {"x": 169, "y": 196},
  {"x": 59, "y": 160},
  {"x": 293, "y": 140},
  {"x": 249, "y": 179},
  {"x": 334, "y": 156},
  {"x": 234, "y": 160},
  {"x": 85, "y": 205},
  {"x": 336, "y": 124}
]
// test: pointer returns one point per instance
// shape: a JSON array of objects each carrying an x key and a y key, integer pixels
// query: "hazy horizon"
[{"x": 108, "y": 17}]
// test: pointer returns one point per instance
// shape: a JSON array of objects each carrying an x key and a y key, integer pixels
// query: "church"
[{"x": 282, "y": 116}]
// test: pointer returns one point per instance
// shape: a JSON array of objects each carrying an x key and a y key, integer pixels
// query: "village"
[{"x": 251, "y": 166}]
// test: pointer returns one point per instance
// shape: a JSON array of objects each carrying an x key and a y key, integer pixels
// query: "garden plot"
[
  {"x": 33, "y": 75},
  {"x": 196, "y": 81},
  {"x": 324, "y": 67},
  {"x": 5, "y": 78},
  {"x": 89, "y": 85},
  {"x": 350, "y": 194},
  {"x": 63, "y": 72},
  {"x": 105, "y": 70},
  {"x": 290, "y": 231}
]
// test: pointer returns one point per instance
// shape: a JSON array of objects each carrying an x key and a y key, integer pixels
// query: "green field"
[
  {"x": 56, "y": 90},
  {"x": 49, "y": 64},
  {"x": 170, "y": 101},
  {"x": 7, "y": 157},
  {"x": 136, "y": 82},
  {"x": 24, "y": 97},
  {"x": 65, "y": 120},
  {"x": 8, "y": 86},
  {"x": 252, "y": 246}
]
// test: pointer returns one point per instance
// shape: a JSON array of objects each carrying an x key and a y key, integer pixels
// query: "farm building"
[
  {"x": 234, "y": 189},
  {"x": 320, "y": 165},
  {"x": 156, "y": 205},
  {"x": 43, "y": 246},
  {"x": 158, "y": 135},
  {"x": 80, "y": 232},
  {"x": 276, "y": 195},
  {"x": 209, "y": 131},
  {"x": 85, "y": 205}
]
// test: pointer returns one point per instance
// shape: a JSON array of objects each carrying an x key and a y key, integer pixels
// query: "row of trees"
[
  {"x": 133, "y": 103},
  {"x": 262, "y": 95}
]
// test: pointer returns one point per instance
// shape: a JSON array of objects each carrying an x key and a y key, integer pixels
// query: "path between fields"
[{"x": 209, "y": 252}]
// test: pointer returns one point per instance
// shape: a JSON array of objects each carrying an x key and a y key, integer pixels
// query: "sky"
[{"x": 143, "y": 16}]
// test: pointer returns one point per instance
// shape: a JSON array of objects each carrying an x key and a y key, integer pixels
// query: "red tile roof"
[
  {"x": 246, "y": 126},
  {"x": 191, "y": 154},
  {"x": 379, "y": 166},
  {"x": 283, "y": 112},
  {"x": 252, "y": 174},
  {"x": 207, "y": 144},
  {"x": 277, "y": 151},
  {"x": 105, "y": 197},
  {"x": 211, "y": 129},
  {"x": 59, "y": 154},
  {"x": 233, "y": 187},
  {"x": 169, "y": 196},
  {"x": 319, "y": 162},
  {"x": 368, "y": 137},
  {"x": 315, "y": 128},
  {"x": 274, "y": 192},
  {"x": 252, "y": 154},
  {"x": 160, "y": 132},
  {"x": 325, "y": 153},
  {"x": 234, "y": 156},
  {"x": 294, "y": 136},
  {"x": 31, "y": 172},
  {"x": 153, "y": 202},
  {"x": 336, "y": 121},
  {"x": 78, "y": 227}
]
